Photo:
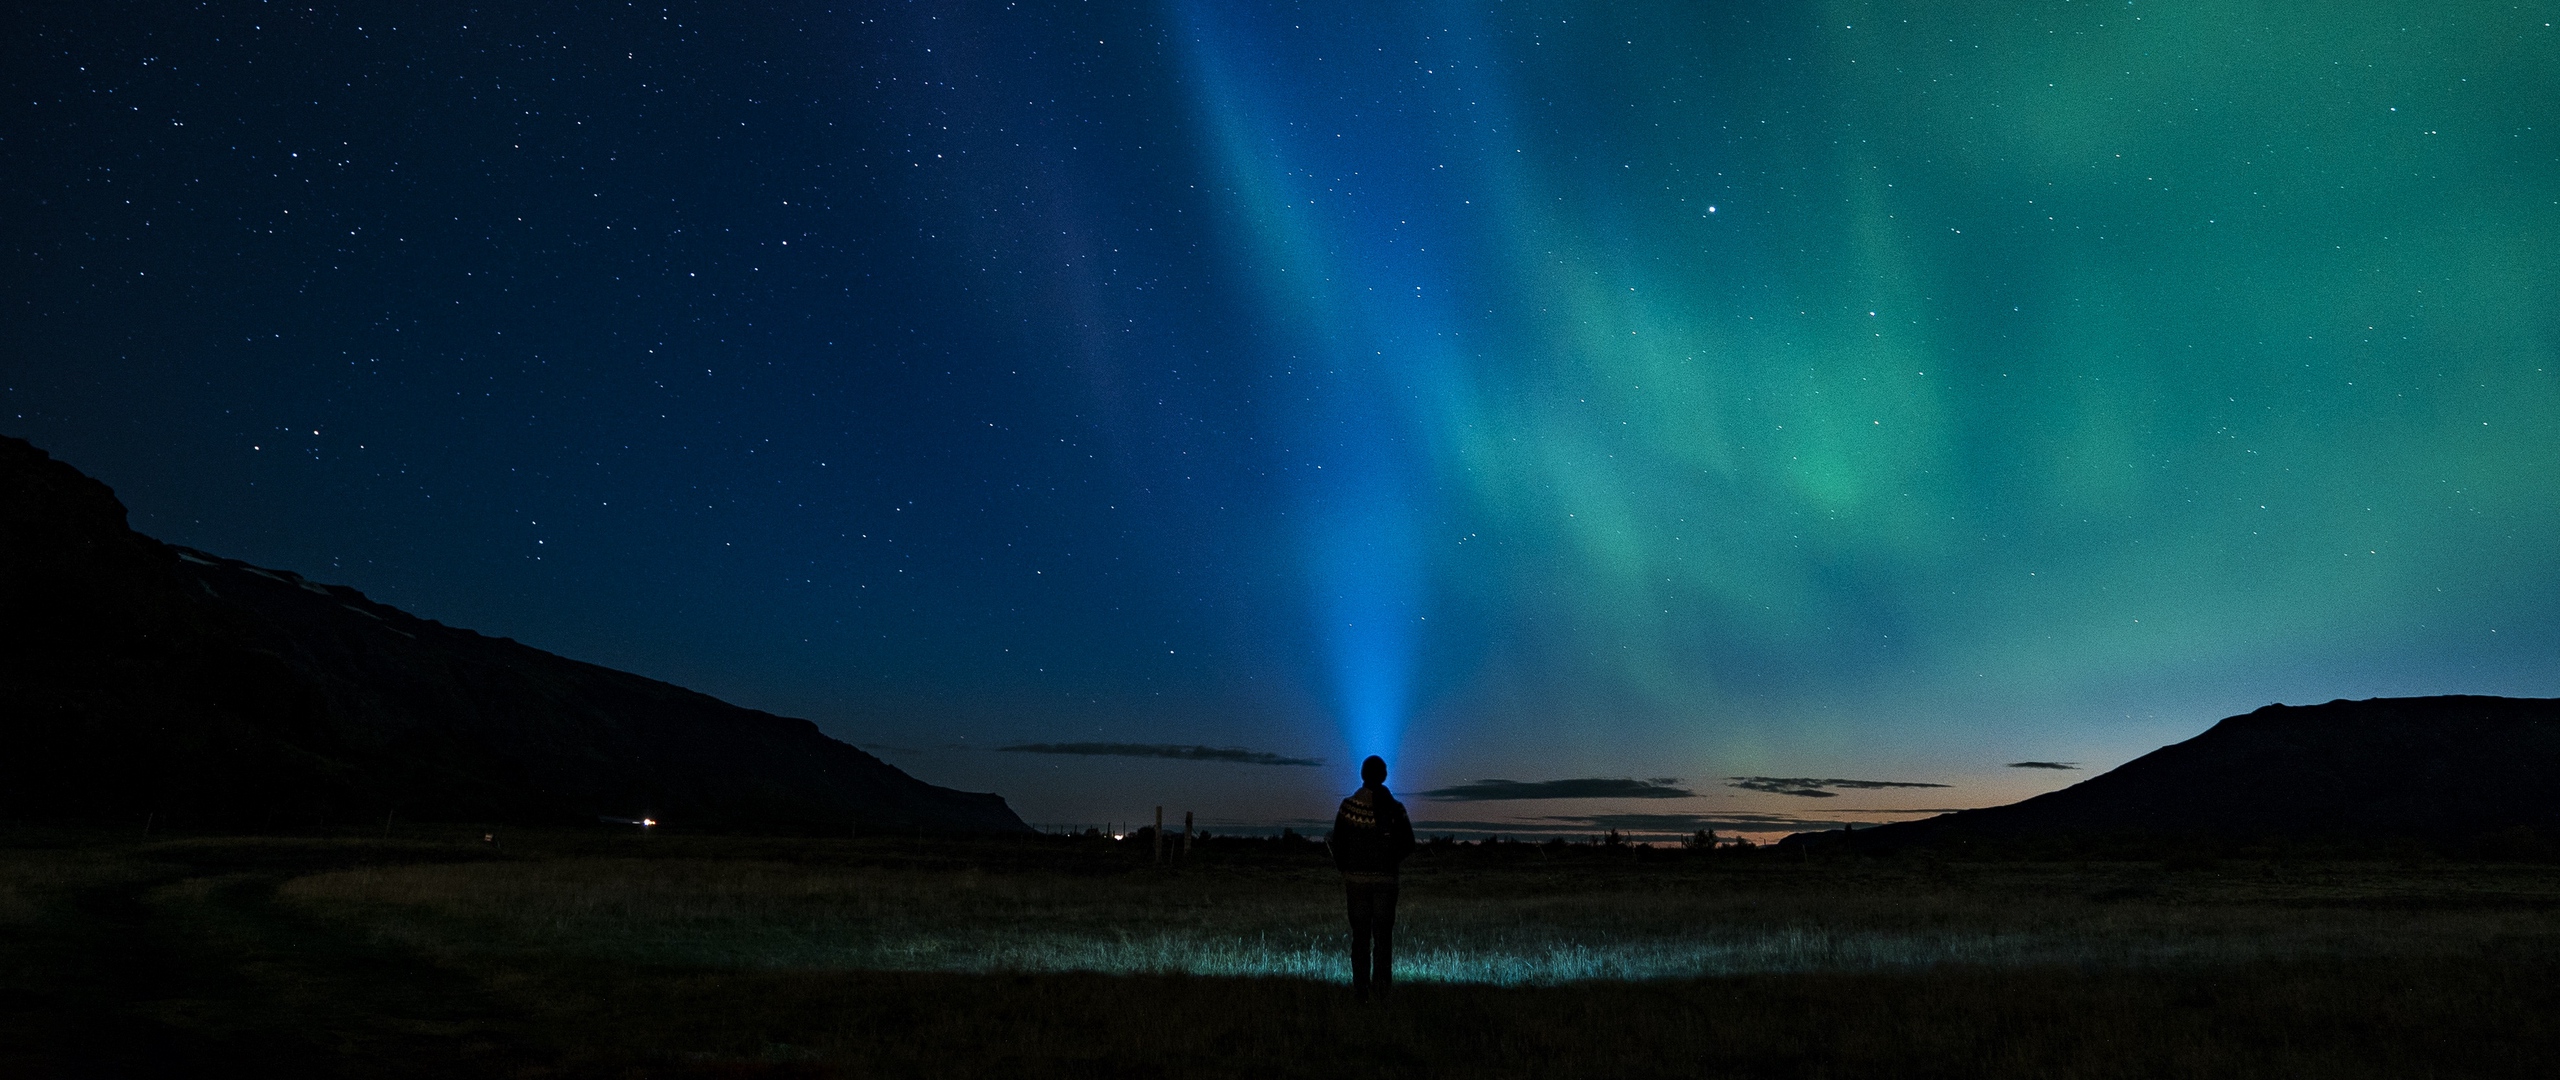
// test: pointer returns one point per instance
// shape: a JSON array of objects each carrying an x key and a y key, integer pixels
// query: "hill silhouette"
[
  {"x": 142, "y": 678},
  {"x": 2436, "y": 768}
]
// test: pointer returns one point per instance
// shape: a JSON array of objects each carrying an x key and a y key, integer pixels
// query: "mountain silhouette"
[
  {"x": 2439, "y": 768},
  {"x": 141, "y": 678}
]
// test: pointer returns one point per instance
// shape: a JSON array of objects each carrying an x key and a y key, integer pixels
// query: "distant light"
[{"x": 646, "y": 822}]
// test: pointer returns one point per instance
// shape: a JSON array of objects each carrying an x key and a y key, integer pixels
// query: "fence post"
[
  {"x": 1159, "y": 834},
  {"x": 1186, "y": 834}
]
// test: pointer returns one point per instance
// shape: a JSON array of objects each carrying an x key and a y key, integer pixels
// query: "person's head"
[{"x": 1374, "y": 770}]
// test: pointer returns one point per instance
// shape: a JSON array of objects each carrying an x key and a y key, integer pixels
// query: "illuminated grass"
[
  {"x": 1529, "y": 963},
  {"x": 767, "y": 916}
]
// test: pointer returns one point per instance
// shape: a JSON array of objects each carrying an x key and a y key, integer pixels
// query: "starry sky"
[{"x": 1648, "y": 415}]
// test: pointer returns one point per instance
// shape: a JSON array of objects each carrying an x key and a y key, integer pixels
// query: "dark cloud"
[
  {"x": 1814, "y": 788},
  {"x": 1687, "y": 823},
  {"x": 1573, "y": 825},
  {"x": 1176, "y": 751},
  {"x": 1593, "y": 787},
  {"x": 2044, "y": 764},
  {"x": 1637, "y": 822},
  {"x": 1463, "y": 825},
  {"x": 1580, "y": 825},
  {"x": 1810, "y": 793}
]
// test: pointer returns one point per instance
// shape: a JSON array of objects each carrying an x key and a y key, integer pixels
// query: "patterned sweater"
[{"x": 1371, "y": 834}]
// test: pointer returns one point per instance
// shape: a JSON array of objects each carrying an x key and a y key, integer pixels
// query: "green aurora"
[{"x": 1916, "y": 385}]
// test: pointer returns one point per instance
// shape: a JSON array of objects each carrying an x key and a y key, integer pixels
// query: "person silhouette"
[{"x": 1371, "y": 835}]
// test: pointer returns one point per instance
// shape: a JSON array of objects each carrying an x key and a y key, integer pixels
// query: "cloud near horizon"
[
  {"x": 1815, "y": 788},
  {"x": 1590, "y": 787},
  {"x": 1580, "y": 825},
  {"x": 2044, "y": 765},
  {"x": 1721, "y": 822},
  {"x": 1176, "y": 751},
  {"x": 1571, "y": 825}
]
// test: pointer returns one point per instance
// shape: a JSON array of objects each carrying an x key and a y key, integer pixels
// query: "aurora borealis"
[{"x": 1528, "y": 391}]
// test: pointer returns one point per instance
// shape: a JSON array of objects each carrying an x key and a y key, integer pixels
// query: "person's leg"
[
  {"x": 1358, "y": 902},
  {"x": 1382, "y": 929}
]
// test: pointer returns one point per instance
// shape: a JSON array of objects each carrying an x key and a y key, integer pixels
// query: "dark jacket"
[{"x": 1371, "y": 834}]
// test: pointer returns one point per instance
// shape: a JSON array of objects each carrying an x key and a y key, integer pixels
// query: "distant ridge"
[
  {"x": 140, "y": 678},
  {"x": 2445, "y": 768}
]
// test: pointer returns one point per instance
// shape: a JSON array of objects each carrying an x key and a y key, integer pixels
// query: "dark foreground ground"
[{"x": 432, "y": 953}]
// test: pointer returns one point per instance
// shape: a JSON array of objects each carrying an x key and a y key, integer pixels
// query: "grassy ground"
[{"x": 589, "y": 954}]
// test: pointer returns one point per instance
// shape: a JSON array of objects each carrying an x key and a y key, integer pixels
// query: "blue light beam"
[{"x": 1354, "y": 200}]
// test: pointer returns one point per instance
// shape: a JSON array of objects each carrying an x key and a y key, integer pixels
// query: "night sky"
[{"x": 1615, "y": 413}]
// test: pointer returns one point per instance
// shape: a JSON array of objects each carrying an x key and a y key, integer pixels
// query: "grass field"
[{"x": 596, "y": 954}]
